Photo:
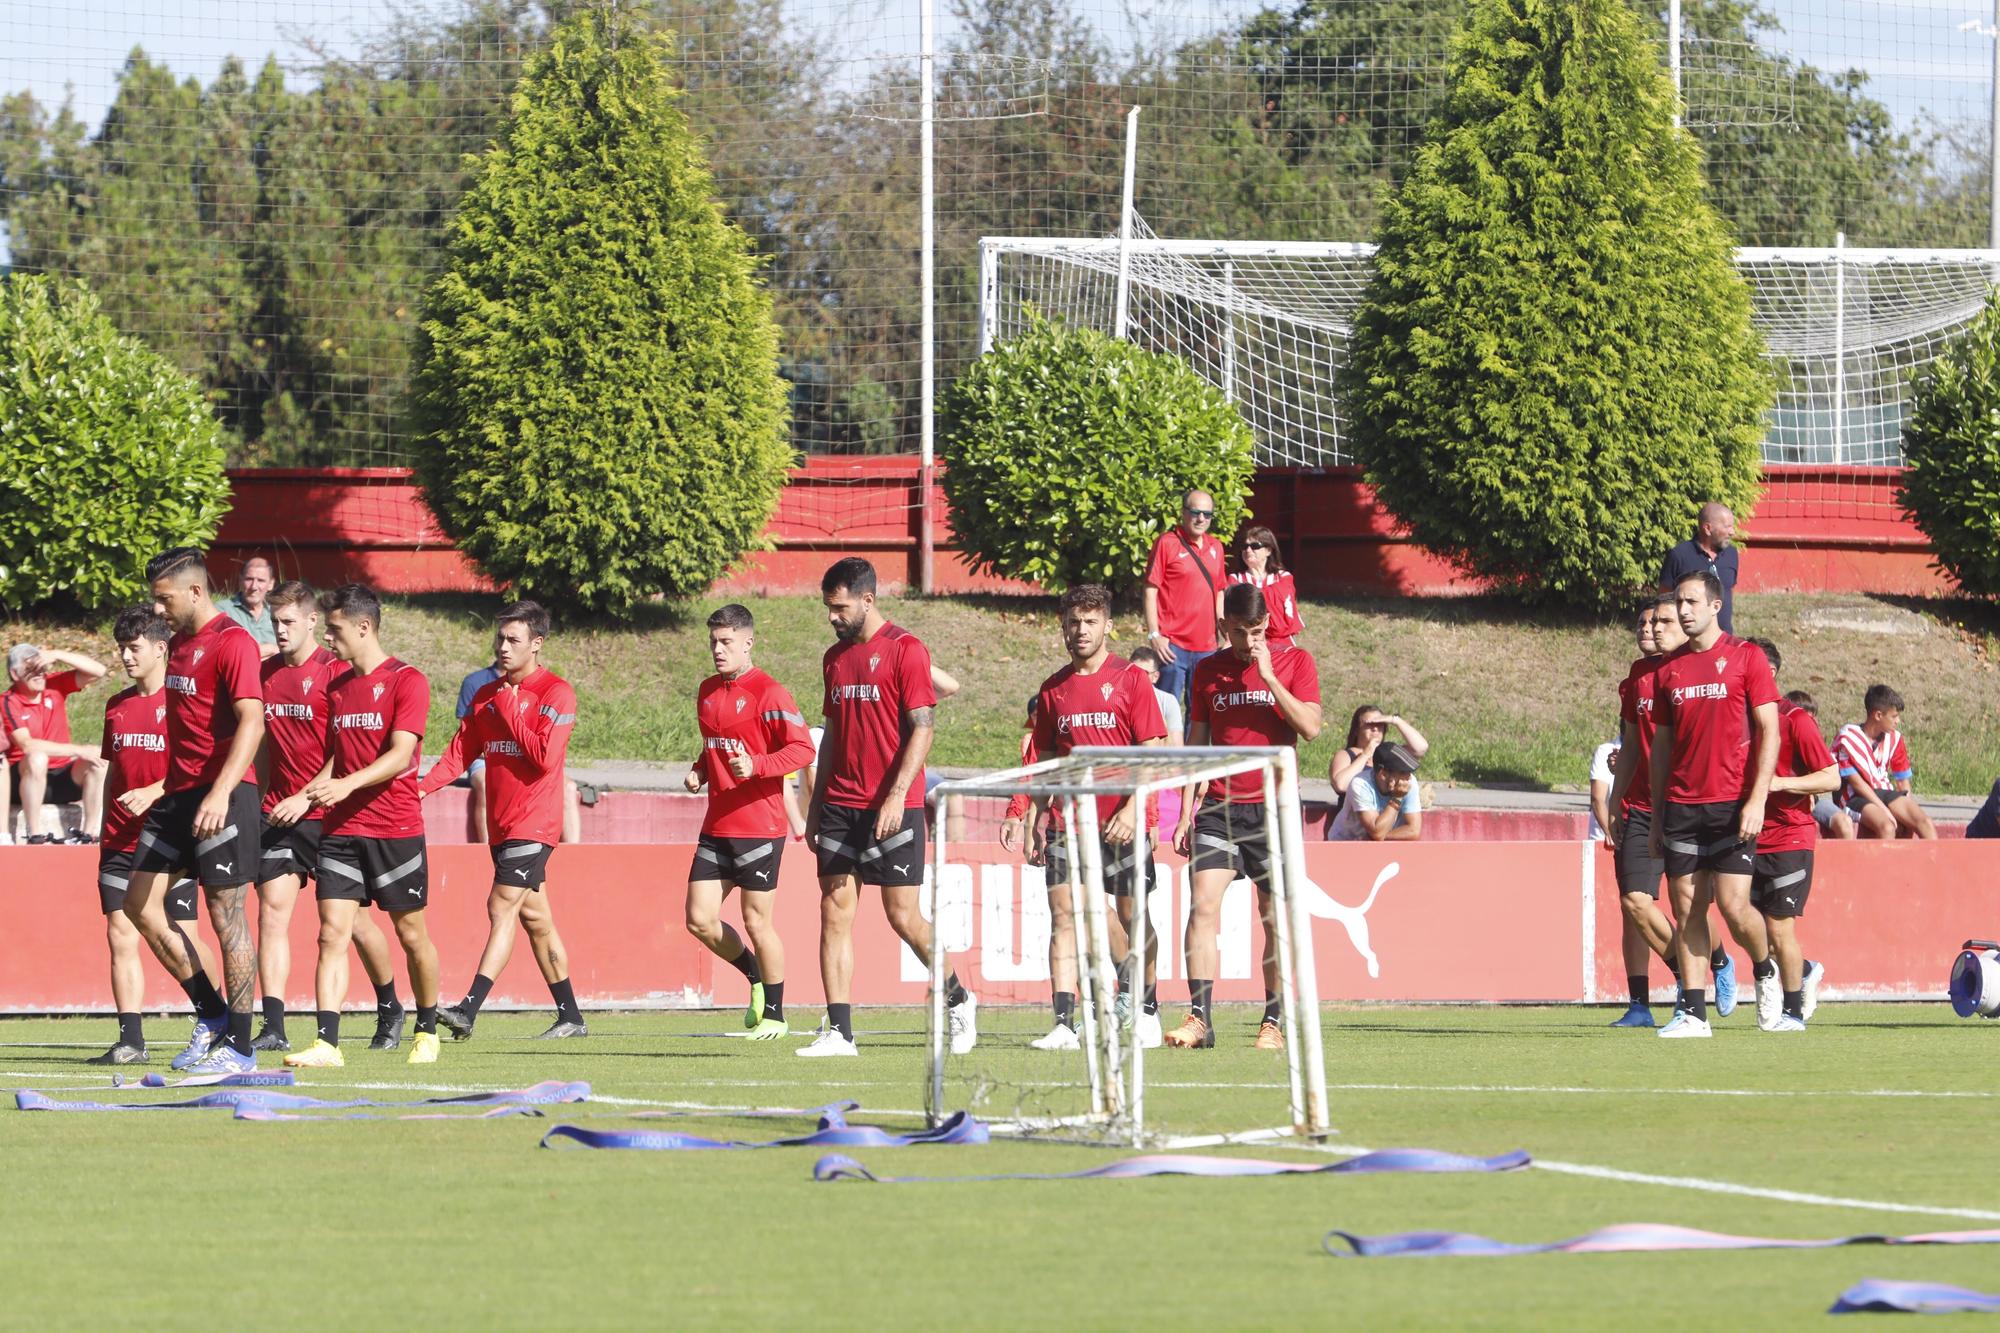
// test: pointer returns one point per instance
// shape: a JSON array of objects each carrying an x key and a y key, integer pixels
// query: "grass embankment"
[{"x": 1505, "y": 696}]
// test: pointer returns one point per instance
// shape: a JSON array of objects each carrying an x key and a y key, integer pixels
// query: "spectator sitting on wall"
[
  {"x": 43, "y": 765},
  {"x": 1382, "y": 804},
  {"x": 1986, "y": 824},
  {"x": 1254, "y": 559},
  {"x": 1603, "y": 774},
  {"x": 1708, "y": 550},
  {"x": 1875, "y": 768},
  {"x": 1366, "y": 730},
  {"x": 1828, "y": 813},
  {"x": 1182, "y": 582},
  {"x": 248, "y": 609},
  {"x": 475, "y": 772}
]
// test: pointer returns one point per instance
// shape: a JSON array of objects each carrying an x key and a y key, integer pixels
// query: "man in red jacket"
[{"x": 1182, "y": 579}]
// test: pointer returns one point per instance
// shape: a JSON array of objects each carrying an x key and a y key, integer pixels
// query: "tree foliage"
[
  {"x": 1553, "y": 365},
  {"x": 1951, "y": 443},
  {"x": 108, "y": 452},
  {"x": 598, "y": 411},
  {"x": 1067, "y": 452}
]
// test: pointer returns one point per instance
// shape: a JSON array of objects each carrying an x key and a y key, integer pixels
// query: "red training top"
[
  {"x": 1113, "y": 705},
  {"x": 135, "y": 749},
  {"x": 1240, "y": 709},
  {"x": 295, "y": 711},
  {"x": 1635, "y": 705},
  {"x": 523, "y": 735},
  {"x": 44, "y": 716},
  {"x": 1187, "y": 596},
  {"x": 364, "y": 711},
  {"x": 1707, "y": 698},
  {"x": 1788, "y": 817},
  {"x": 749, "y": 714},
  {"x": 1281, "y": 598},
  {"x": 869, "y": 686},
  {"x": 208, "y": 673}
]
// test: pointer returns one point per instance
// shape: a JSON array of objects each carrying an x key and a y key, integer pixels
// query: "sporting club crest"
[
  {"x": 199, "y": 653},
  {"x": 739, "y": 703},
  {"x": 378, "y": 692},
  {"x": 1108, "y": 688},
  {"x": 874, "y": 662}
]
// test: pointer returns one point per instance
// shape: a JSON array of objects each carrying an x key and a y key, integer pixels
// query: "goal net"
[
  {"x": 1099, "y": 1092},
  {"x": 1846, "y": 330}
]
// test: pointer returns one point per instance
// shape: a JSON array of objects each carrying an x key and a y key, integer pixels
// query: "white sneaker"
[
  {"x": 964, "y": 1024},
  {"x": 829, "y": 1042},
  {"x": 1770, "y": 1000},
  {"x": 1815, "y": 974},
  {"x": 1150, "y": 1035},
  {"x": 1784, "y": 1022},
  {"x": 1061, "y": 1037},
  {"x": 1685, "y": 1024}
]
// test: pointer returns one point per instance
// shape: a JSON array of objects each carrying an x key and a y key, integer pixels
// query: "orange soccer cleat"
[
  {"x": 1270, "y": 1037},
  {"x": 1192, "y": 1034}
]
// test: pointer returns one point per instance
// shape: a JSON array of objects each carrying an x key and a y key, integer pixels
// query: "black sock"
[
  {"x": 774, "y": 1001},
  {"x": 1153, "y": 998},
  {"x": 1795, "y": 1004},
  {"x": 1767, "y": 968},
  {"x": 327, "y": 1027},
  {"x": 1198, "y": 998},
  {"x": 1718, "y": 960},
  {"x": 239, "y": 1032},
  {"x": 746, "y": 963},
  {"x": 427, "y": 1018},
  {"x": 274, "y": 1014},
  {"x": 1696, "y": 1003},
  {"x": 954, "y": 991},
  {"x": 482, "y": 986},
  {"x": 841, "y": 1017},
  {"x": 1636, "y": 986},
  {"x": 565, "y": 998},
  {"x": 202, "y": 994},
  {"x": 1274, "y": 1008},
  {"x": 386, "y": 1003},
  {"x": 131, "y": 1030},
  {"x": 1066, "y": 1009}
]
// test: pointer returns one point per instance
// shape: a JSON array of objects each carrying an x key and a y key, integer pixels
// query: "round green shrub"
[
  {"x": 108, "y": 453},
  {"x": 596, "y": 395},
  {"x": 1067, "y": 452},
  {"x": 1951, "y": 451}
]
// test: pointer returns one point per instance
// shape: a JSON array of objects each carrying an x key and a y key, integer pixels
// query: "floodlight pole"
[
  {"x": 926, "y": 468},
  {"x": 1118, "y": 323}
]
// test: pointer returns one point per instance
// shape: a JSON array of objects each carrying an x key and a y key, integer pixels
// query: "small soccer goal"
[{"x": 1098, "y": 1092}]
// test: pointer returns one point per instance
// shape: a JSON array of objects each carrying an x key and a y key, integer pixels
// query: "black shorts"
[
  {"x": 1856, "y": 802},
  {"x": 847, "y": 846},
  {"x": 1232, "y": 837},
  {"x": 751, "y": 864},
  {"x": 1782, "y": 883},
  {"x": 114, "y": 877},
  {"x": 1639, "y": 871},
  {"x": 392, "y": 873},
  {"x": 1707, "y": 837},
  {"x": 289, "y": 850},
  {"x": 61, "y": 789},
  {"x": 521, "y": 863},
  {"x": 229, "y": 858},
  {"x": 1120, "y": 862}
]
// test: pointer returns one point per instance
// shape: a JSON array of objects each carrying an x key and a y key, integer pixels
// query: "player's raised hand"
[
  {"x": 693, "y": 781},
  {"x": 741, "y": 766},
  {"x": 141, "y": 799}
]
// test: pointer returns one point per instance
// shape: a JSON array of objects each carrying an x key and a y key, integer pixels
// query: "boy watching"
[{"x": 1875, "y": 771}]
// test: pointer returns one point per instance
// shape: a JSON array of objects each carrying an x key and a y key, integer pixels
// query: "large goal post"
[{"x": 1098, "y": 1093}]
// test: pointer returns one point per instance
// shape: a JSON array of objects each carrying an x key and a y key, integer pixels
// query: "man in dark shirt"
[
  {"x": 1986, "y": 824},
  {"x": 1709, "y": 549}
]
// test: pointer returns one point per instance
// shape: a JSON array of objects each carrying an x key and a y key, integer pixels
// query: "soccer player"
[
  {"x": 752, "y": 735},
  {"x": 206, "y": 819},
  {"x": 43, "y": 765},
  {"x": 135, "y": 758},
  {"x": 520, "y": 724},
  {"x": 866, "y": 817},
  {"x": 298, "y": 682},
  {"x": 1098, "y": 699},
  {"x": 1715, "y": 746},
  {"x": 1875, "y": 767},
  {"x": 372, "y": 841},
  {"x": 1783, "y": 879},
  {"x": 1246, "y": 695}
]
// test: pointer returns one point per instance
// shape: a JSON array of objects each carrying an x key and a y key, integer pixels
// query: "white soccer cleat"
[
  {"x": 1061, "y": 1037},
  {"x": 1770, "y": 1000},
  {"x": 1815, "y": 974},
  {"x": 1151, "y": 1035},
  {"x": 1784, "y": 1023},
  {"x": 1685, "y": 1024},
  {"x": 828, "y": 1042},
  {"x": 964, "y": 1018}
]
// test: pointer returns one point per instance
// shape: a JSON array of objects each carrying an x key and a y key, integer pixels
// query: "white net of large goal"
[
  {"x": 1846, "y": 329},
  {"x": 1101, "y": 1090}
]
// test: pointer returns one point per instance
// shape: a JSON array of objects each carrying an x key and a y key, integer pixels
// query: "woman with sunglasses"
[
  {"x": 1368, "y": 728},
  {"x": 1253, "y": 559}
]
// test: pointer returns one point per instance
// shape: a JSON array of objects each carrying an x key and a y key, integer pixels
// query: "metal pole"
[
  {"x": 1993, "y": 143},
  {"x": 989, "y": 294},
  {"x": 1125, "y": 224},
  {"x": 1229, "y": 328},
  {"x": 926, "y": 467},
  {"x": 1839, "y": 347},
  {"x": 1674, "y": 53}
]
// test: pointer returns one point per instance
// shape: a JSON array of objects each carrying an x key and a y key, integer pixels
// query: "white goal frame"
[{"x": 1116, "y": 1068}]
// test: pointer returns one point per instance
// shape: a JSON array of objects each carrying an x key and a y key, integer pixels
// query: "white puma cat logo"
[{"x": 1353, "y": 919}]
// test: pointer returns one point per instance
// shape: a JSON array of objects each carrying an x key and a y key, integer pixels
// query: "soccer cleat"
[
  {"x": 828, "y": 1042},
  {"x": 388, "y": 1030},
  {"x": 124, "y": 1053},
  {"x": 1061, "y": 1037},
  {"x": 206, "y": 1030},
  {"x": 562, "y": 1029},
  {"x": 1784, "y": 1022},
  {"x": 1725, "y": 987},
  {"x": 1193, "y": 1034},
  {"x": 768, "y": 1029},
  {"x": 224, "y": 1059},
  {"x": 1121, "y": 1008},
  {"x": 754, "y": 1013},
  {"x": 1635, "y": 1016},
  {"x": 424, "y": 1049},
  {"x": 270, "y": 1039},
  {"x": 319, "y": 1055},
  {"x": 1685, "y": 1024},
  {"x": 964, "y": 1019},
  {"x": 453, "y": 1019},
  {"x": 1270, "y": 1037},
  {"x": 1815, "y": 974},
  {"x": 1770, "y": 999},
  {"x": 1150, "y": 1036}
]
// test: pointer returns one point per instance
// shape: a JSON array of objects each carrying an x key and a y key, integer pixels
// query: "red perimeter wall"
[{"x": 1816, "y": 530}]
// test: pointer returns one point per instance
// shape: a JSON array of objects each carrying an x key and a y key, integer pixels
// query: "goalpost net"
[
  {"x": 1099, "y": 1093},
  {"x": 1845, "y": 329}
]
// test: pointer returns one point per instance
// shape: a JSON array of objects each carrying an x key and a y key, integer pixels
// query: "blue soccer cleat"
[
  {"x": 225, "y": 1059},
  {"x": 206, "y": 1032},
  {"x": 1725, "y": 986},
  {"x": 1635, "y": 1016}
]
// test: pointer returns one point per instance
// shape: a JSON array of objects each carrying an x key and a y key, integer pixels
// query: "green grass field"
[{"x": 163, "y": 1218}]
